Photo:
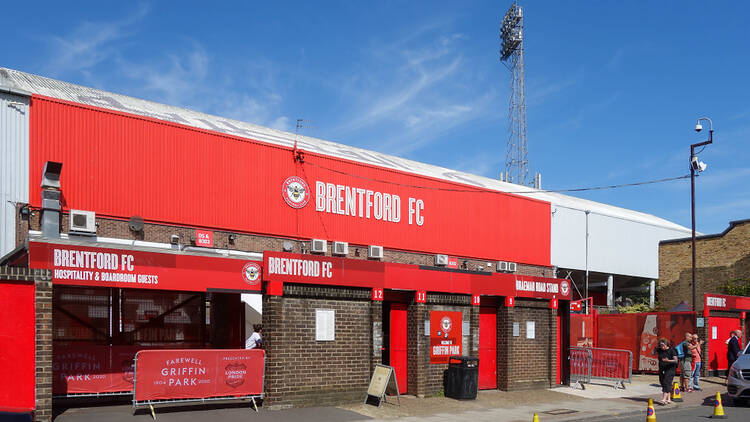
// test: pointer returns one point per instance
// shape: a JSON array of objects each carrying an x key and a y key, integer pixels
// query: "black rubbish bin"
[{"x": 461, "y": 378}]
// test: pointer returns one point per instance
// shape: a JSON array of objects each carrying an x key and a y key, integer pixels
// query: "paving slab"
[{"x": 596, "y": 402}]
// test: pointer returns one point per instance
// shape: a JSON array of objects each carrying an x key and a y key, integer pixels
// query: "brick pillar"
[
  {"x": 505, "y": 318},
  {"x": 43, "y": 293},
  {"x": 418, "y": 358},
  {"x": 274, "y": 343},
  {"x": 703, "y": 335},
  {"x": 552, "y": 347},
  {"x": 376, "y": 317},
  {"x": 474, "y": 324}
]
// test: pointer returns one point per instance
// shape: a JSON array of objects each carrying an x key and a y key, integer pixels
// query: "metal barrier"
[
  {"x": 593, "y": 363},
  {"x": 580, "y": 366}
]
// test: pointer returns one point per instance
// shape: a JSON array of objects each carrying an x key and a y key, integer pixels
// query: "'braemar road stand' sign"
[{"x": 382, "y": 377}]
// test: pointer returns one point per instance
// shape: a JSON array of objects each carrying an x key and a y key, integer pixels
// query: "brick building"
[
  {"x": 134, "y": 228},
  {"x": 720, "y": 259}
]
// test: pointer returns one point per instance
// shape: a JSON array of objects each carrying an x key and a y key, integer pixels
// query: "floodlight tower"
[{"x": 511, "y": 54}]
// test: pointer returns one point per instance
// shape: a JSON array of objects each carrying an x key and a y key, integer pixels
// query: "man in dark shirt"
[{"x": 733, "y": 349}]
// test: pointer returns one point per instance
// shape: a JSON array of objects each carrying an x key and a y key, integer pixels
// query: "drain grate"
[{"x": 560, "y": 411}]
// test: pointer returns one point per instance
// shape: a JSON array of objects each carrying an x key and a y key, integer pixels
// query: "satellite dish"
[{"x": 136, "y": 223}]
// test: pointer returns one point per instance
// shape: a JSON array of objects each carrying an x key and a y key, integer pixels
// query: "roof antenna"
[
  {"x": 295, "y": 153},
  {"x": 298, "y": 155}
]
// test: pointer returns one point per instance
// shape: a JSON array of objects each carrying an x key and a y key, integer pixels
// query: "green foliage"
[
  {"x": 737, "y": 287},
  {"x": 636, "y": 308}
]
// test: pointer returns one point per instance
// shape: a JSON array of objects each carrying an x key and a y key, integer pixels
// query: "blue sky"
[{"x": 613, "y": 88}]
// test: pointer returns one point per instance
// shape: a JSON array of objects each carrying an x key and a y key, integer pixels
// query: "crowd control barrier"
[
  {"x": 190, "y": 375},
  {"x": 593, "y": 363}
]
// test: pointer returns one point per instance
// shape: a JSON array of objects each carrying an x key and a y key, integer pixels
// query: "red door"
[
  {"x": 718, "y": 332},
  {"x": 17, "y": 345},
  {"x": 487, "y": 348},
  {"x": 398, "y": 344}
]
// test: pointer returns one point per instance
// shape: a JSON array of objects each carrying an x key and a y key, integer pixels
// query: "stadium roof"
[{"x": 26, "y": 83}]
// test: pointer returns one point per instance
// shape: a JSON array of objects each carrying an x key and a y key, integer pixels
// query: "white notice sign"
[
  {"x": 714, "y": 333},
  {"x": 530, "y": 329},
  {"x": 516, "y": 329},
  {"x": 324, "y": 325}
]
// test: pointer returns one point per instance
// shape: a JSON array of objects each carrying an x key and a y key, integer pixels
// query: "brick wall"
[
  {"x": 527, "y": 363},
  {"x": 433, "y": 373},
  {"x": 719, "y": 259},
  {"x": 301, "y": 371}
]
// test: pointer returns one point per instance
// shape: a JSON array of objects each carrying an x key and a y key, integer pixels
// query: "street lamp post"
[{"x": 699, "y": 166}]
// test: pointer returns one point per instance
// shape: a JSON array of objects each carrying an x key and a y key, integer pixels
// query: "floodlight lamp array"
[{"x": 511, "y": 32}]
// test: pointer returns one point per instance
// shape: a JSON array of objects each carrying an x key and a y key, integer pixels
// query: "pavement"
[{"x": 595, "y": 403}]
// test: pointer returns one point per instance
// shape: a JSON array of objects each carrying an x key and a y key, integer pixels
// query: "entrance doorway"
[
  {"x": 487, "y": 348},
  {"x": 718, "y": 332},
  {"x": 395, "y": 341}
]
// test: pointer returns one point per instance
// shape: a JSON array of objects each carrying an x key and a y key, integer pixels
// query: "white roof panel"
[{"x": 14, "y": 79}]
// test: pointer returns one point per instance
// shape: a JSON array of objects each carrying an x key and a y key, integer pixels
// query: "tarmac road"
[{"x": 701, "y": 413}]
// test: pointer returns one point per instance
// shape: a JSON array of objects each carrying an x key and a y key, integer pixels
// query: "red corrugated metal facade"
[{"x": 121, "y": 165}]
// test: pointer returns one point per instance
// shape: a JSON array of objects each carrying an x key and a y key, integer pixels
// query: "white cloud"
[
  {"x": 186, "y": 77},
  {"x": 91, "y": 43},
  {"x": 419, "y": 92}
]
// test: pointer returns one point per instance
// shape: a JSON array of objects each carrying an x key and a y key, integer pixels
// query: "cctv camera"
[
  {"x": 696, "y": 165},
  {"x": 698, "y": 127}
]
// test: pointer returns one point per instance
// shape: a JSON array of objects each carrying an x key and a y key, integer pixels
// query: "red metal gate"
[
  {"x": 718, "y": 332},
  {"x": 487, "y": 348},
  {"x": 398, "y": 345}
]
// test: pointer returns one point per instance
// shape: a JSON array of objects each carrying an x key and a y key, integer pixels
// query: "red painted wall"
[
  {"x": 121, "y": 165},
  {"x": 17, "y": 350}
]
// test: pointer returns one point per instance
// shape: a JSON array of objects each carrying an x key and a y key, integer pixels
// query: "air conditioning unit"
[
  {"x": 82, "y": 222},
  {"x": 502, "y": 266},
  {"x": 512, "y": 267},
  {"x": 441, "y": 259},
  {"x": 375, "y": 252},
  {"x": 340, "y": 248},
  {"x": 318, "y": 246}
]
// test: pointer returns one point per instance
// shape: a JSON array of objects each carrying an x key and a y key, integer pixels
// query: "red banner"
[
  {"x": 445, "y": 335},
  {"x": 196, "y": 374},
  {"x": 610, "y": 363},
  {"x": 91, "y": 369},
  {"x": 126, "y": 268}
]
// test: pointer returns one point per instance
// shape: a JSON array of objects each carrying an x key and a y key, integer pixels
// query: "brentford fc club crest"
[
  {"x": 564, "y": 287},
  {"x": 446, "y": 324},
  {"x": 251, "y": 273},
  {"x": 295, "y": 191}
]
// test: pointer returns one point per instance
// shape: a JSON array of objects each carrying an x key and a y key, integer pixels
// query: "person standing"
[
  {"x": 255, "y": 340},
  {"x": 667, "y": 367},
  {"x": 697, "y": 362},
  {"x": 733, "y": 349},
  {"x": 686, "y": 362}
]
